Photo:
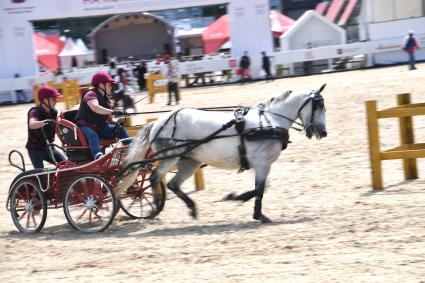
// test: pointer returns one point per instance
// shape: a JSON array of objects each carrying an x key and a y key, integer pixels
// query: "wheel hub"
[
  {"x": 90, "y": 203},
  {"x": 29, "y": 207}
]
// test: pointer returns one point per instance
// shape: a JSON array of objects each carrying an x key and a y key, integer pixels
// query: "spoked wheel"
[
  {"x": 142, "y": 200},
  {"x": 28, "y": 206},
  {"x": 89, "y": 204}
]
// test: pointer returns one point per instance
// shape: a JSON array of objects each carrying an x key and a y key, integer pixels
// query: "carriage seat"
[{"x": 73, "y": 140}]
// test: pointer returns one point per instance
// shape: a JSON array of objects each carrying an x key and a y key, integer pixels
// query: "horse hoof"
[
  {"x": 262, "y": 218},
  {"x": 230, "y": 196},
  {"x": 265, "y": 219}
]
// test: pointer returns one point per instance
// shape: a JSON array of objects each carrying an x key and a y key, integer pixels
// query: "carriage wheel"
[
  {"x": 28, "y": 206},
  {"x": 89, "y": 204},
  {"x": 142, "y": 200}
]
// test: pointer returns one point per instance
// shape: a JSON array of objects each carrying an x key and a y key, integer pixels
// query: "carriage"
[
  {"x": 90, "y": 192},
  {"x": 82, "y": 187}
]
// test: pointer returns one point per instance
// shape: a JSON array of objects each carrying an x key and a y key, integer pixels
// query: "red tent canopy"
[
  {"x": 334, "y": 10},
  {"x": 279, "y": 23},
  {"x": 47, "y": 49},
  {"x": 55, "y": 38},
  {"x": 347, "y": 12},
  {"x": 321, "y": 7},
  {"x": 218, "y": 32}
]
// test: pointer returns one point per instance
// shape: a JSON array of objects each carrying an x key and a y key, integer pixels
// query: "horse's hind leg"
[
  {"x": 185, "y": 168},
  {"x": 242, "y": 197},
  {"x": 164, "y": 167},
  {"x": 260, "y": 183}
]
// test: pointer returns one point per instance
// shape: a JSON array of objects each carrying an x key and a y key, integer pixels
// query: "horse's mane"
[{"x": 267, "y": 103}]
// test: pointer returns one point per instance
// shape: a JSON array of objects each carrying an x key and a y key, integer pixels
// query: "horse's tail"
[
  {"x": 140, "y": 145},
  {"x": 138, "y": 149}
]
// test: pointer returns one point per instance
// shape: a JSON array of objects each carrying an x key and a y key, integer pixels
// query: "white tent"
[
  {"x": 312, "y": 30},
  {"x": 80, "y": 43},
  {"x": 74, "y": 54}
]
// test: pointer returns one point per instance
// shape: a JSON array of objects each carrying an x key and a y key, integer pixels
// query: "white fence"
[{"x": 218, "y": 63}]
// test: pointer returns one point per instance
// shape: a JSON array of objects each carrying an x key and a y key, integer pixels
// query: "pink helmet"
[
  {"x": 102, "y": 78},
  {"x": 48, "y": 91}
]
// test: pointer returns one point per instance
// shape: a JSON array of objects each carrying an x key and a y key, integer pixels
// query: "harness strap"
[
  {"x": 193, "y": 144},
  {"x": 166, "y": 122},
  {"x": 240, "y": 128}
]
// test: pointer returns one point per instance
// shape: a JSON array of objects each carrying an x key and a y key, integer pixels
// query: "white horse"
[{"x": 184, "y": 137}]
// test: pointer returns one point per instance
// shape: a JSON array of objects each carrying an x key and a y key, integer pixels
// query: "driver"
[
  {"x": 94, "y": 116},
  {"x": 43, "y": 116}
]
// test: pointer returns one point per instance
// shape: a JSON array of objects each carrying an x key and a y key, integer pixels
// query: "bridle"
[{"x": 315, "y": 97}]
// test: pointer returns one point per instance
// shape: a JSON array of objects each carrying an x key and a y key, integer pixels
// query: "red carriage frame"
[{"x": 83, "y": 187}]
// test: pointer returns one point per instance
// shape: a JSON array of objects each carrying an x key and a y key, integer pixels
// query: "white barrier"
[{"x": 217, "y": 63}]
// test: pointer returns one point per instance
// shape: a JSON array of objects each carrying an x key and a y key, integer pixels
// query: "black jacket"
[{"x": 245, "y": 62}]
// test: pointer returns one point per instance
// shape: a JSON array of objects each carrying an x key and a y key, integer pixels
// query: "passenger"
[
  {"x": 43, "y": 116},
  {"x": 94, "y": 116}
]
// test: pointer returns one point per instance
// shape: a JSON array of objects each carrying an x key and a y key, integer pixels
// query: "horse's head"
[{"x": 312, "y": 114}]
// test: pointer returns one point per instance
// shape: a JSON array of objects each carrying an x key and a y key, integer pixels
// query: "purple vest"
[
  {"x": 95, "y": 120},
  {"x": 35, "y": 136}
]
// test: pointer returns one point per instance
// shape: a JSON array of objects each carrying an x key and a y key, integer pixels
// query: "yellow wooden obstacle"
[
  {"x": 156, "y": 83},
  {"x": 70, "y": 90},
  {"x": 408, "y": 151}
]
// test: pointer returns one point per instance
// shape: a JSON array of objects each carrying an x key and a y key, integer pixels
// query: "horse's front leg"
[{"x": 260, "y": 183}]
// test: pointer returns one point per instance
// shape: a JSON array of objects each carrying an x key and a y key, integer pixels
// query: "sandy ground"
[{"x": 329, "y": 225}]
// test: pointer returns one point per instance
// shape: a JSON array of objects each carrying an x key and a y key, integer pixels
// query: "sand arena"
[{"x": 329, "y": 225}]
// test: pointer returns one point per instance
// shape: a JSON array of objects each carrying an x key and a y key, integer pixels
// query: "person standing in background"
[
  {"x": 171, "y": 73},
  {"x": 59, "y": 77},
  {"x": 140, "y": 73},
  {"x": 410, "y": 46},
  {"x": 308, "y": 65},
  {"x": 266, "y": 65},
  {"x": 113, "y": 72},
  {"x": 244, "y": 67}
]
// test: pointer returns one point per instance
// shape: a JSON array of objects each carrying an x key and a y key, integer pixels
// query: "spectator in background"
[
  {"x": 140, "y": 73},
  {"x": 158, "y": 64},
  {"x": 158, "y": 59},
  {"x": 244, "y": 65},
  {"x": 171, "y": 73},
  {"x": 20, "y": 94},
  {"x": 120, "y": 96},
  {"x": 59, "y": 75},
  {"x": 113, "y": 72},
  {"x": 308, "y": 65},
  {"x": 410, "y": 46},
  {"x": 266, "y": 65}
]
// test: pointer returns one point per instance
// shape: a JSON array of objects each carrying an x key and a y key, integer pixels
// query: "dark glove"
[
  {"x": 118, "y": 113},
  {"x": 49, "y": 122}
]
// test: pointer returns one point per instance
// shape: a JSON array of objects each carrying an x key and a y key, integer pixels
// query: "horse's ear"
[
  {"x": 322, "y": 88},
  {"x": 287, "y": 93}
]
